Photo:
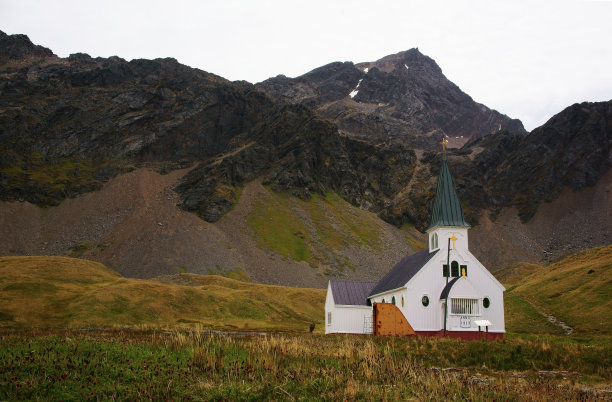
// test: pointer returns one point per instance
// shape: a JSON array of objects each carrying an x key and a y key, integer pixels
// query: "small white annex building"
[{"x": 441, "y": 291}]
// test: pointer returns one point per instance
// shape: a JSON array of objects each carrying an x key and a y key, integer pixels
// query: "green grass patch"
[
  {"x": 78, "y": 249},
  {"x": 576, "y": 289},
  {"x": 339, "y": 224},
  {"x": 522, "y": 317},
  {"x": 48, "y": 180},
  {"x": 237, "y": 274},
  {"x": 126, "y": 365},
  {"x": 315, "y": 231},
  {"x": 278, "y": 228}
]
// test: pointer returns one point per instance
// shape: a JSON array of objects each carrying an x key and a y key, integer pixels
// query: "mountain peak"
[
  {"x": 403, "y": 97},
  {"x": 403, "y": 60},
  {"x": 16, "y": 47}
]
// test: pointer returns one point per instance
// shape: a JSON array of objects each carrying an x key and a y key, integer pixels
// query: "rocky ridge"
[
  {"x": 71, "y": 124},
  {"x": 403, "y": 97}
]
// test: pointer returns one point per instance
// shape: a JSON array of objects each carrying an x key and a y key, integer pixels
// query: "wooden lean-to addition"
[{"x": 389, "y": 320}]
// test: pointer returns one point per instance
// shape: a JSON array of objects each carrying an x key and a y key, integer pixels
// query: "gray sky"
[{"x": 527, "y": 59}]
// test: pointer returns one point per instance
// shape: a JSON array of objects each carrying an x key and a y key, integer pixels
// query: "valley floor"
[{"x": 136, "y": 364}]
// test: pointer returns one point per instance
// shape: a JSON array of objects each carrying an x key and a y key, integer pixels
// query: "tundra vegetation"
[
  {"x": 136, "y": 364},
  {"x": 65, "y": 335}
]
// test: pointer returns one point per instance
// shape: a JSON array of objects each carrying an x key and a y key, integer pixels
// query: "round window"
[
  {"x": 425, "y": 301},
  {"x": 486, "y": 302}
]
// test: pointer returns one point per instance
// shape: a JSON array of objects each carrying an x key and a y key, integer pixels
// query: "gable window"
[
  {"x": 445, "y": 272},
  {"x": 425, "y": 300},
  {"x": 454, "y": 269},
  {"x": 486, "y": 302},
  {"x": 328, "y": 318},
  {"x": 465, "y": 306},
  {"x": 463, "y": 271}
]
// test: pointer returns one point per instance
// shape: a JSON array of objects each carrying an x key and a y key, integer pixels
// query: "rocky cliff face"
[
  {"x": 19, "y": 47},
  {"x": 402, "y": 97},
  {"x": 302, "y": 154},
  {"x": 573, "y": 150},
  {"x": 368, "y": 132},
  {"x": 68, "y": 124}
]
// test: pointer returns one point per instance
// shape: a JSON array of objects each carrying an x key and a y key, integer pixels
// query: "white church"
[{"x": 440, "y": 291}]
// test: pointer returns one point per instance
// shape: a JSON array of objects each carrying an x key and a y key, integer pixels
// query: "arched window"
[
  {"x": 402, "y": 301},
  {"x": 434, "y": 241},
  {"x": 393, "y": 300},
  {"x": 454, "y": 269},
  {"x": 463, "y": 270},
  {"x": 383, "y": 300}
]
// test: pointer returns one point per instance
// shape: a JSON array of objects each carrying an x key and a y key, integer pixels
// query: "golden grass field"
[
  {"x": 73, "y": 329},
  {"x": 68, "y": 292}
]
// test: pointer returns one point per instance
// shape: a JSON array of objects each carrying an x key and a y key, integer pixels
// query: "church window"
[
  {"x": 454, "y": 269},
  {"x": 383, "y": 300},
  {"x": 329, "y": 318},
  {"x": 434, "y": 241},
  {"x": 445, "y": 272},
  {"x": 402, "y": 301},
  {"x": 464, "y": 306},
  {"x": 486, "y": 302},
  {"x": 463, "y": 271},
  {"x": 425, "y": 300},
  {"x": 393, "y": 300},
  {"x": 369, "y": 302}
]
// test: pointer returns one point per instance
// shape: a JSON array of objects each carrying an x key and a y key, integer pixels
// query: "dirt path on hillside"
[{"x": 553, "y": 320}]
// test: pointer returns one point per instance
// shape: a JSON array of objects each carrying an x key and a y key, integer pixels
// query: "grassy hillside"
[
  {"x": 316, "y": 231},
  {"x": 577, "y": 290},
  {"x": 67, "y": 292}
]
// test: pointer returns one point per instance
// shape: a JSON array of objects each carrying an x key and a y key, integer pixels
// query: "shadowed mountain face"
[
  {"x": 402, "y": 97},
  {"x": 368, "y": 132},
  {"x": 70, "y": 124}
]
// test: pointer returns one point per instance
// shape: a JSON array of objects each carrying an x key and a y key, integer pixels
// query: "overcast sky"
[{"x": 527, "y": 59}]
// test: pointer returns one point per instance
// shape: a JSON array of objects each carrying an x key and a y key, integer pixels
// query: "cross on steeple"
[
  {"x": 444, "y": 142},
  {"x": 454, "y": 238}
]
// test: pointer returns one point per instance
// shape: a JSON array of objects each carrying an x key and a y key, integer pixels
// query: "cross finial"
[
  {"x": 454, "y": 238},
  {"x": 444, "y": 142}
]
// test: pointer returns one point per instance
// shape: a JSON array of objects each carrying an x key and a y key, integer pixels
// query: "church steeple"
[{"x": 446, "y": 207}]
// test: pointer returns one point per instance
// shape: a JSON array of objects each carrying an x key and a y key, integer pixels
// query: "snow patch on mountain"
[{"x": 355, "y": 91}]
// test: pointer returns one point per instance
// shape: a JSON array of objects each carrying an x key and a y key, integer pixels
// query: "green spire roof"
[{"x": 446, "y": 207}]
